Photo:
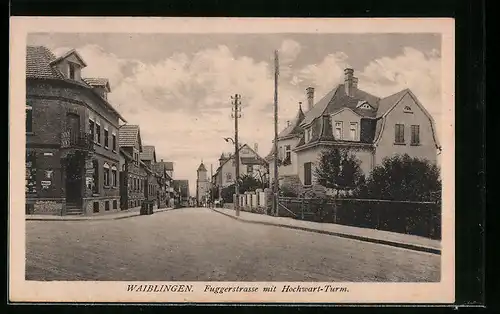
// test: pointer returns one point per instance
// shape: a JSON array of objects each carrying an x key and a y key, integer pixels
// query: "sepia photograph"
[{"x": 248, "y": 164}]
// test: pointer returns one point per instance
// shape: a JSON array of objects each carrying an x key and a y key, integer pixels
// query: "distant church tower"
[{"x": 202, "y": 184}]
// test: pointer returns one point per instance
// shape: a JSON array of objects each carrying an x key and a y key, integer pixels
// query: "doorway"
[{"x": 74, "y": 179}]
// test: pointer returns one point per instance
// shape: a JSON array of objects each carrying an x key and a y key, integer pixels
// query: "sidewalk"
[
  {"x": 406, "y": 241},
  {"x": 133, "y": 212}
]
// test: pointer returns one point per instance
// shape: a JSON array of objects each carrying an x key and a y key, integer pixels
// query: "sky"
[{"x": 178, "y": 87}]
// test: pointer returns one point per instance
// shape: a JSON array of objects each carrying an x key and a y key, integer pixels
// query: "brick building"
[
  {"x": 72, "y": 154},
  {"x": 152, "y": 188},
  {"x": 133, "y": 173}
]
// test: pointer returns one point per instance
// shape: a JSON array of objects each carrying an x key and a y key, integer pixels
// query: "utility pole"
[
  {"x": 275, "y": 185},
  {"x": 236, "y": 114}
]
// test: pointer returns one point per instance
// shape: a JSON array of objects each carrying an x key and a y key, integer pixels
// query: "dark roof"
[
  {"x": 318, "y": 108},
  {"x": 202, "y": 167},
  {"x": 128, "y": 134},
  {"x": 294, "y": 127},
  {"x": 39, "y": 65},
  {"x": 67, "y": 54},
  {"x": 38, "y": 59},
  {"x": 148, "y": 153},
  {"x": 97, "y": 82},
  {"x": 251, "y": 160},
  {"x": 386, "y": 103}
]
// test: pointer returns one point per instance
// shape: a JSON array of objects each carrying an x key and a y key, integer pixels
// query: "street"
[{"x": 197, "y": 244}]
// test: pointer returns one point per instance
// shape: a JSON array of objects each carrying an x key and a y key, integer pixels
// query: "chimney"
[
  {"x": 354, "y": 83},
  {"x": 310, "y": 98},
  {"x": 256, "y": 147},
  {"x": 287, "y": 123},
  {"x": 348, "y": 81}
]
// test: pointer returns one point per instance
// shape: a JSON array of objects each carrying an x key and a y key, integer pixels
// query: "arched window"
[
  {"x": 114, "y": 176},
  {"x": 106, "y": 174}
]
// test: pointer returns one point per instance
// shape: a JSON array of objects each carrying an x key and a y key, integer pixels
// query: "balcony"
[{"x": 77, "y": 140}]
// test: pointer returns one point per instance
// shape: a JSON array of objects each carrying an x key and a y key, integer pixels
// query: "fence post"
[
  {"x": 302, "y": 208},
  {"x": 334, "y": 210}
]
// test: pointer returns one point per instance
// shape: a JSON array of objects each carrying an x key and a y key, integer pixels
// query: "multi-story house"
[
  {"x": 371, "y": 127},
  {"x": 72, "y": 158},
  {"x": 165, "y": 182},
  {"x": 250, "y": 164},
  {"x": 152, "y": 187},
  {"x": 133, "y": 173}
]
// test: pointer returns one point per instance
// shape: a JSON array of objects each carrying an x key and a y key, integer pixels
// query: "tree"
[
  {"x": 339, "y": 169},
  {"x": 403, "y": 178}
]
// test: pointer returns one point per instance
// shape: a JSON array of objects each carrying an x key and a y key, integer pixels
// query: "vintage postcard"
[{"x": 231, "y": 160}]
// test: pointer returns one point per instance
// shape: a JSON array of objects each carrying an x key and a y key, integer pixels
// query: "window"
[
  {"x": 115, "y": 204},
  {"x": 353, "y": 131},
  {"x": 96, "y": 207},
  {"x": 114, "y": 176},
  {"x": 106, "y": 138},
  {"x": 415, "y": 134},
  {"x": 106, "y": 174},
  {"x": 98, "y": 133},
  {"x": 249, "y": 169},
  {"x": 114, "y": 142},
  {"x": 307, "y": 173},
  {"x": 229, "y": 177},
  {"x": 338, "y": 130},
  {"x": 407, "y": 109},
  {"x": 400, "y": 134},
  {"x": 91, "y": 129},
  {"x": 288, "y": 155},
  {"x": 106, "y": 205},
  {"x": 29, "y": 119},
  {"x": 72, "y": 71},
  {"x": 95, "y": 165},
  {"x": 308, "y": 134}
]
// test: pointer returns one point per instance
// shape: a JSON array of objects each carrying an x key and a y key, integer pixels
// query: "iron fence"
[{"x": 408, "y": 217}]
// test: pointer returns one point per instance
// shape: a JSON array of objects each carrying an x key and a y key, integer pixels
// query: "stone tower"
[{"x": 202, "y": 185}]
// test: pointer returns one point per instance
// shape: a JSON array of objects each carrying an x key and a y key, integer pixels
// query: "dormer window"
[
  {"x": 364, "y": 105},
  {"x": 407, "y": 109},
  {"x": 73, "y": 71}
]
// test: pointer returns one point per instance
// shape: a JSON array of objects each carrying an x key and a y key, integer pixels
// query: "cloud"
[
  {"x": 183, "y": 106},
  {"x": 413, "y": 69}
]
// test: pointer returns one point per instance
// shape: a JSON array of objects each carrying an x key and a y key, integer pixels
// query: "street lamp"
[{"x": 237, "y": 183}]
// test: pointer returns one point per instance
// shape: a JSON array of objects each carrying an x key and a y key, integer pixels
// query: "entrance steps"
[{"x": 73, "y": 209}]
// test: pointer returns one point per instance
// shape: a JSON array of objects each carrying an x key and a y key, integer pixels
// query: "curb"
[
  {"x": 412, "y": 247},
  {"x": 93, "y": 219}
]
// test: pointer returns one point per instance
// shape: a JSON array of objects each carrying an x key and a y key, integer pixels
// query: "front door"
[{"x": 74, "y": 181}]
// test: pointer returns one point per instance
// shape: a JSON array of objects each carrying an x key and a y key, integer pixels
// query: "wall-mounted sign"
[
  {"x": 48, "y": 154},
  {"x": 45, "y": 184}
]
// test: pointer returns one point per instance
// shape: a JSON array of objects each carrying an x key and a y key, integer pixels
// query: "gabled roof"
[
  {"x": 40, "y": 65},
  {"x": 128, "y": 134},
  {"x": 294, "y": 127},
  {"x": 232, "y": 156},
  {"x": 67, "y": 54},
  {"x": 148, "y": 153},
  {"x": 167, "y": 165},
  {"x": 38, "y": 59},
  {"x": 337, "y": 99},
  {"x": 388, "y": 102},
  {"x": 98, "y": 82}
]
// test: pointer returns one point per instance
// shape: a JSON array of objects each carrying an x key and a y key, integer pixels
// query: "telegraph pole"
[
  {"x": 275, "y": 185},
  {"x": 236, "y": 114}
]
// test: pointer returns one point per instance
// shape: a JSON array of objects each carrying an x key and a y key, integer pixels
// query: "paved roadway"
[{"x": 198, "y": 244}]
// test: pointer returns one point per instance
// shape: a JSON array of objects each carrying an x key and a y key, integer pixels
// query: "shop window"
[
  {"x": 31, "y": 173},
  {"x": 106, "y": 205},
  {"x": 115, "y": 204}
]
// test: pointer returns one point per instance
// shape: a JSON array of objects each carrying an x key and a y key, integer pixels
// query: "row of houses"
[
  {"x": 371, "y": 127},
  {"x": 81, "y": 155}
]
